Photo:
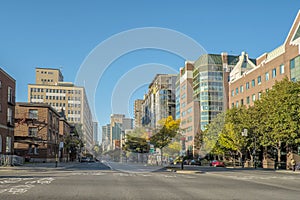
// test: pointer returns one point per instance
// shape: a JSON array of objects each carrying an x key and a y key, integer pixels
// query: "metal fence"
[{"x": 11, "y": 160}]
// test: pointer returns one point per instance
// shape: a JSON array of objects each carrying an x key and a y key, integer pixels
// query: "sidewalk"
[{"x": 40, "y": 166}]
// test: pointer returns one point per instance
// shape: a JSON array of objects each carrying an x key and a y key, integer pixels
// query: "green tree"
[
  {"x": 280, "y": 117},
  {"x": 173, "y": 148},
  {"x": 231, "y": 138},
  {"x": 137, "y": 141},
  {"x": 168, "y": 131},
  {"x": 210, "y": 136}
]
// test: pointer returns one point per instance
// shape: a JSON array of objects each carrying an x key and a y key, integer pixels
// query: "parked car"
[
  {"x": 217, "y": 163},
  {"x": 194, "y": 162}
]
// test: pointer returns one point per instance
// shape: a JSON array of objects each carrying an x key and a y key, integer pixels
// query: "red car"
[{"x": 216, "y": 163}]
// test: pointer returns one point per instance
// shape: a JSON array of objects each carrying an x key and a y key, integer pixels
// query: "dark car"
[
  {"x": 85, "y": 159},
  {"x": 217, "y": 163},
  {"x": 194, "y": 162}
]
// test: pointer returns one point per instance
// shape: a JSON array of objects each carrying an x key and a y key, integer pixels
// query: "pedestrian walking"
[{"x": 293, "y": 163}]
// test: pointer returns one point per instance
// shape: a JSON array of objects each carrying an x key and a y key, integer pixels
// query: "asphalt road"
[{"x": 97, "y": 181}]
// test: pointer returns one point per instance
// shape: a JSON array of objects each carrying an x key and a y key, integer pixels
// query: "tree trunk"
[{"x": 279, "y": 152}]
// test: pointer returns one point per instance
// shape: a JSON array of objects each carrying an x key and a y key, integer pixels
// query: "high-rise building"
[
  {"x": 159, "y": 102},
  {"x": 118, "y": 124},
  {"x": 106, "y": 137},
  {"x": 187, "y": 110},
  {"x": 210, "y": 84},
  {"x": 50, "y": 88},
  {"x": 248, "y": 82},
  {"x": 95, "y": 133},
  {"x": 138, "y": 113},
  {"x": 7, "y": 110}
]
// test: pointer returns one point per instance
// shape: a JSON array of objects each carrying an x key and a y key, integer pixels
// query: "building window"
[
  {"x": 8, "y": 144},
  {"x": 274, "y": 73},
  {"x": 242, "y": 102},
  {"x": 267, "y": 76},
  {"x": 253, "y": 97},
  {"x": 259, "y": 95},
  {"x": 282, "y": 69},
  {"x": 241, "y": 88},
  {"x": 258, "y": 80},
  {"x": 248, "y": 100},
  {"x": 32, "y": 131},
  {"x": 33, "y": 114},
  {"x": 247, "y": 85},
  {"x": 10, "y": 95},
  {"x": 9, "y": 116},
  {"x": 253, "y": 83},
  {"x": 236, "y": 91},
  {"x": 232, "y": 93},
  {"x": 183, "y": 96},
  {"x": 232, "y": 105},
  {"x": 237, "y": 103},
  {"x": 0, "y": 84},
  {"x": 292, "y": 64}
]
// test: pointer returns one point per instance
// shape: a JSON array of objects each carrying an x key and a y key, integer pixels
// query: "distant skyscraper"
[
  {"x": 118, "y": 125},
  {"x": 95, "y": 133},
  {"x": 50, "y": 88},
  {"x": 106, "y": 137},
  {"x": 138, "y": 113}
]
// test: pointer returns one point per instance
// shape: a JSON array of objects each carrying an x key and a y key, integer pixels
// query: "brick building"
[
  {"x": 7, "y": 110},
  {"x": 37, "y": 131},
  {"x": 249, "y": 80},
  {"x": 187, "y": 110}
]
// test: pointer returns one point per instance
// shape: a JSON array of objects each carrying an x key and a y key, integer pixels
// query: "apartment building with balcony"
[
  {"x": 249, "y": 80},
  {"x": 7, "y": 112},
  {"x": 50, "y": 89},
  {"x": 159, "y": 102}
]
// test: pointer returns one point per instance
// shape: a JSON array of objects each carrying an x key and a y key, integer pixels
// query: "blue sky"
[{"x": 63, "y": 33}]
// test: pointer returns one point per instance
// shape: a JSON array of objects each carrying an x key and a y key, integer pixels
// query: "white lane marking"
[
  {"x": 12, "y": 180},
  {"x": 168, "y": 176},
  {"x": 20, "y": 189},
  {"x": 87, "y": 174},
  {"x": 3, "y": 190},
  {"x": 45, "y": 181},
  {"x": 9, "y": 185}
]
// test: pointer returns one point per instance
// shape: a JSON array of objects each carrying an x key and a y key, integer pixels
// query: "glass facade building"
[{"x": 210, "y": 82}]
